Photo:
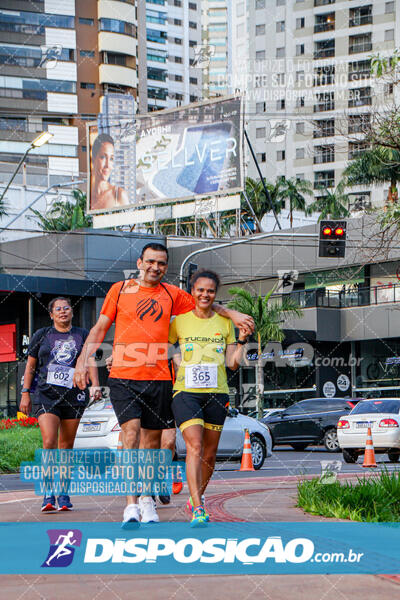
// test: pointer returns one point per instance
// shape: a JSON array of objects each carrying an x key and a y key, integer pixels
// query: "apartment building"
[
  {"x": 218, "y": 31},
  {"x": 169, "y": 33},
  {"x": 58, "y": 60},
  {"x": 308, "y": 84}
]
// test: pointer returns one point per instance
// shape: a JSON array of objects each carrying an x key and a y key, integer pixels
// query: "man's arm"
[
  {"x": 240, "y": 320},
  {"x": 93, "y": 341}
]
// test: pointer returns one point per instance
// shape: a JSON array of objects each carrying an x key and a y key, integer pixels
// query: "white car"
[
  {"x": 383, "y": 416},
  {"x": 99, "y": 429}
]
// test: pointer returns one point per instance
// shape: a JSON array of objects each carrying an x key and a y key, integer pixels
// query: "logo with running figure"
[
  {"x": 149, "y": 307},
  {"x": 64, "y": 351},
  {"x": 62, "y": 547}
]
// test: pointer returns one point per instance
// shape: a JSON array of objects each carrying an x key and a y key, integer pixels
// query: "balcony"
[
  {"x": 360, "y": 98},
  {"x": 323, "y": 2},
  {"x": 324, "y": 130},
  {"x": 324, "y": 157},
  {"x": 360, "y": 20},
  {"x": 324, "y": 23},
  {"x": 363, "y": 47},
  {"x": 117, "y": 75},
  {"x": 324, "y": 106},
  {"x": 359, "y": 70},
  {"x": 324, "y": 180}
]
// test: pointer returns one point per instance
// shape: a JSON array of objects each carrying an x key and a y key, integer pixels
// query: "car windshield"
[{"x": 377, "y": 406}]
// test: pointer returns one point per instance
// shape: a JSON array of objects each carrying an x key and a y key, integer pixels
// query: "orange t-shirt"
[{"x": 142, "y": 320}]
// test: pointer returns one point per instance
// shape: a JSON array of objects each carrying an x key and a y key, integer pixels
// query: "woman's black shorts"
[{"x": 206, "y": 409}]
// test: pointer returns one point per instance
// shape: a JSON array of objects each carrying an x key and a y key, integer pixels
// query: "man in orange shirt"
[{"x": 140, "y": 379}]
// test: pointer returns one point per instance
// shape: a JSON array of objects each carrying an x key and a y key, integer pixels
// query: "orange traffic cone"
[
  {"x": 247, "y": 459},
  {"x": 119, "y": 443},
  {"x": 369, "y": 456}
]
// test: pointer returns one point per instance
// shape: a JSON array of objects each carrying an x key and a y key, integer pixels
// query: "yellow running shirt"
[{"x": 203, "y": 343}]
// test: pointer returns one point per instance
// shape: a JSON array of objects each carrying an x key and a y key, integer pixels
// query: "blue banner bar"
[{"x": 219, "y": 549}]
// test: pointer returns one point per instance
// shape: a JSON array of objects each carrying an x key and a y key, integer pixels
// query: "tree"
[
  {"x": 65, "y": 215},
  {"x": 332, "y": 205},
  {"x": 376, "y": 165},
  {"x": 268, "y": 316},
  {"x": 256, "y": 194},
  {"x": 3, "y": 209},
  {"x": 294, "y": 189}
]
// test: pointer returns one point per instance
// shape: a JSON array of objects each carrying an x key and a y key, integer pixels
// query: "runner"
[
  {"x": 52, "y": 355},
  {"x": 140, "y": 380},
  {"x": 200, "y": 398}
]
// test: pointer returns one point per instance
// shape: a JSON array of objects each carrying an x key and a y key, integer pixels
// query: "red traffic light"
[
  {"x": 339, "y": 231},
  {"x": 327, "y": 231}
]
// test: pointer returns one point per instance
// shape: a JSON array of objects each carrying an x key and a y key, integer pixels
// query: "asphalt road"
[{"x": 284, "y": 462}]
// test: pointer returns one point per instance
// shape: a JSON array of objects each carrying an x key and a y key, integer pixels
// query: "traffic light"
[
  {"x": 332, "y": 239},
  {"x": 191, "y": 269}
]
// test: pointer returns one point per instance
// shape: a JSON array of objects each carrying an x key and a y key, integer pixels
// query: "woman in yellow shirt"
[{"x": 207, "y": 343}]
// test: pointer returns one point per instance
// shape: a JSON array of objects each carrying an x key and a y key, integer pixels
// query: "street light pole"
[{"x": 14, "y": 174}]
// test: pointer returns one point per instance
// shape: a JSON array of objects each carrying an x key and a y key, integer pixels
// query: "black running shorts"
[
  {"x": 64, "y": 409},
  {"x": 149, "y": 401},
  {"x": 206, "y": 409}
]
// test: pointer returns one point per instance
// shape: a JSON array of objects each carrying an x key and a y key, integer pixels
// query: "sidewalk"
[{"x": 255, "y": 499}]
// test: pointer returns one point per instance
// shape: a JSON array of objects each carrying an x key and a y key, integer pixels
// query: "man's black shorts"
[
  {"x": 206, "y": 409},
  {"x": 149, "y": 401},
  {"x": 64, "y": 408}
]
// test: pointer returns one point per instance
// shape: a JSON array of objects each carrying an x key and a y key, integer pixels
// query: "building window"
[
  {"x": 388, "y": 89},
  {"x": 193, "y": 80},
  {"x": 261, "y": 157},
  {"x": 356, "y": 149},
  {"x": 389, "y": 8},
  {"x": 280, "y": 78},
  {"x": 260, "y": 29},
  {"x": 324, "y": 154},
  {"x": 323, "y": 179},
  {"x": 325, "y": 22},
  {"x": 176, "y": 59},
  {"x": 389, "y": 35},
  {"x": 299, "y": 49},
  {"x": 300, "y": 176},
  {"x": 360, "y": 97},
  {"x": 193, "y": 98},
  {"x": 177, "y": 2},
  {"x": 300, "y": 153},
  {"x": 359, "y": 69},
  {"x": 116, "y": 26},
  {"x": 83, "y": 21},
  {"x": 323, "y": 2},
  {"x": 280, "y": 2},
  {"x": 280, "y": 26},
  {"x": 361, "y": 15},
  {"x": 280, "y": 104},
  {"x": 33, "y": 23},
  {"x": 324, "y": 128},
  {"x": 84, "y": 148},
  {"x": 280, "y": 52},
  {"x": 192, "y": 6},
  {"x": 300, "y": 127},
  {"x": 260, "y": 107},
  {"x": 359, "y": 123},
  {"x": 156, "y": 74},
  {"x": 176, "y": 77},
  {"x": 300, "y": 76},
  {"x": 300, "y": 23},
  {"x": 260, "y": 4},
  {"x": 260, "y": 55},
  {"x": 324, "y": 75},
  {"x": 324, "y": 49},
  {"x": 300, "y": 102},
  {"x": 177, "y": 41},
  {"x": 280, "y": 155},
  {"x": 325, "y": 101},
  {"x": 360, "y": 43},
  {"x": 88, "y": 53},
  {"x": 260, "y": 132},
  {"x": 153, "y": 35},
  {"x": 192, "y": 25},
  {"x": 87, "y": 86},
  {"x": 176, "y": 22},
  {"x": 114, "y": 58}
]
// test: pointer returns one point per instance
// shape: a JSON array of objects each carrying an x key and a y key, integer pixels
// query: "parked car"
[
  {"x": 99, "y": 429},
  {"x": 383, "y": 416},
  {"x": 267, "y": 412},
  {"x": 308, "y": 422}
]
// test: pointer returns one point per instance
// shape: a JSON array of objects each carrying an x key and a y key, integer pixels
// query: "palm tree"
[
  {"x": 332, "y": 205},
  {"x": 256, "y": 194},
  {"x": 3, "y": 209},
  {"x": 377, "y": 165},
  {"x": 294, "y": 189},
  {"x": 268, "y": 317},
  {"x": 65, "y": 215}
]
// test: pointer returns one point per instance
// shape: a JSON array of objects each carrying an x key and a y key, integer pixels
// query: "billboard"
[{"x": 181, "y": 154}]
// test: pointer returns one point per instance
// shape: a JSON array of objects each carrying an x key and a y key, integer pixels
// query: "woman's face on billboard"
[{"x": 104, "y": 161}]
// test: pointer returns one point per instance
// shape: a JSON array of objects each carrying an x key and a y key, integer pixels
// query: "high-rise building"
[
  {"x": 308, "y": 84},
  {"x": 171, "y": 32},
  {"x": 218, "y": 30}
]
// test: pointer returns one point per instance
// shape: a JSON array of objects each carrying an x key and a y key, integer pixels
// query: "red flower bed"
[{"x": 11, "y": 423}]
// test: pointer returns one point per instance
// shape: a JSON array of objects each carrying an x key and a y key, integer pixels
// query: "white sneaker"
[
  {"x": 148, "y": 511},
  {"x": 131, "y": 518}
]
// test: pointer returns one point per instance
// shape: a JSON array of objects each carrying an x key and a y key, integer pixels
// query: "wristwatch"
[
  {"x": 25, "y": 390},
  {"x": 242, "y": 342}
]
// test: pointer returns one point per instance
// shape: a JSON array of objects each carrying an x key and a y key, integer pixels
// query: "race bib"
[
  {"x": 201, "y": 376},
  {"x": 60, "y": 375}
]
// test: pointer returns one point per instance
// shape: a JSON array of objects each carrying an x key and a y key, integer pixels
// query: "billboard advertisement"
[{"x": 181, "y": 154}]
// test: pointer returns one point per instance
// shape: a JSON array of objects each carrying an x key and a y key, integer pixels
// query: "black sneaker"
[
  {"x": 165, "y": 499},
  {"x": 64, "y": 503},
  {"x": 49, "y": 504}
]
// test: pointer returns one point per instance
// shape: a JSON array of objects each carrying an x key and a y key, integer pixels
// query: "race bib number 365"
[
  {"x": 201, "y": 376},
  {"x": 59, "y": 375}
]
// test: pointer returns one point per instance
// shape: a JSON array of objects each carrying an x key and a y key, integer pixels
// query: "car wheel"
[
  {"x": 299, "y": 446},
  {"x": 394, "y": 456},
  {"x": 258, "y": 451},
  {"x": 330, "y": 440},
  {"x": 350, "y": 456}
]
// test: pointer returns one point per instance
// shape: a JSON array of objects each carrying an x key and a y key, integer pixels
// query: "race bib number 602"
[{"x": 60, "y": 375}]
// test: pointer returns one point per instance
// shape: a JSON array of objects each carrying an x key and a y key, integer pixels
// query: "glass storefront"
[
  {"x": 377, "y": 370},
  {"x": 8, "y": 389}
]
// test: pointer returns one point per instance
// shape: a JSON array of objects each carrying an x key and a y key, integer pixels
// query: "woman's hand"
[
  {"x": 25, "y": 404},
  {"x": 95, "y": 393},
  {"x": 242, "y": 322},
  {"x": 81, "y": 375},
  {"x": 243, "y": 334}
]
